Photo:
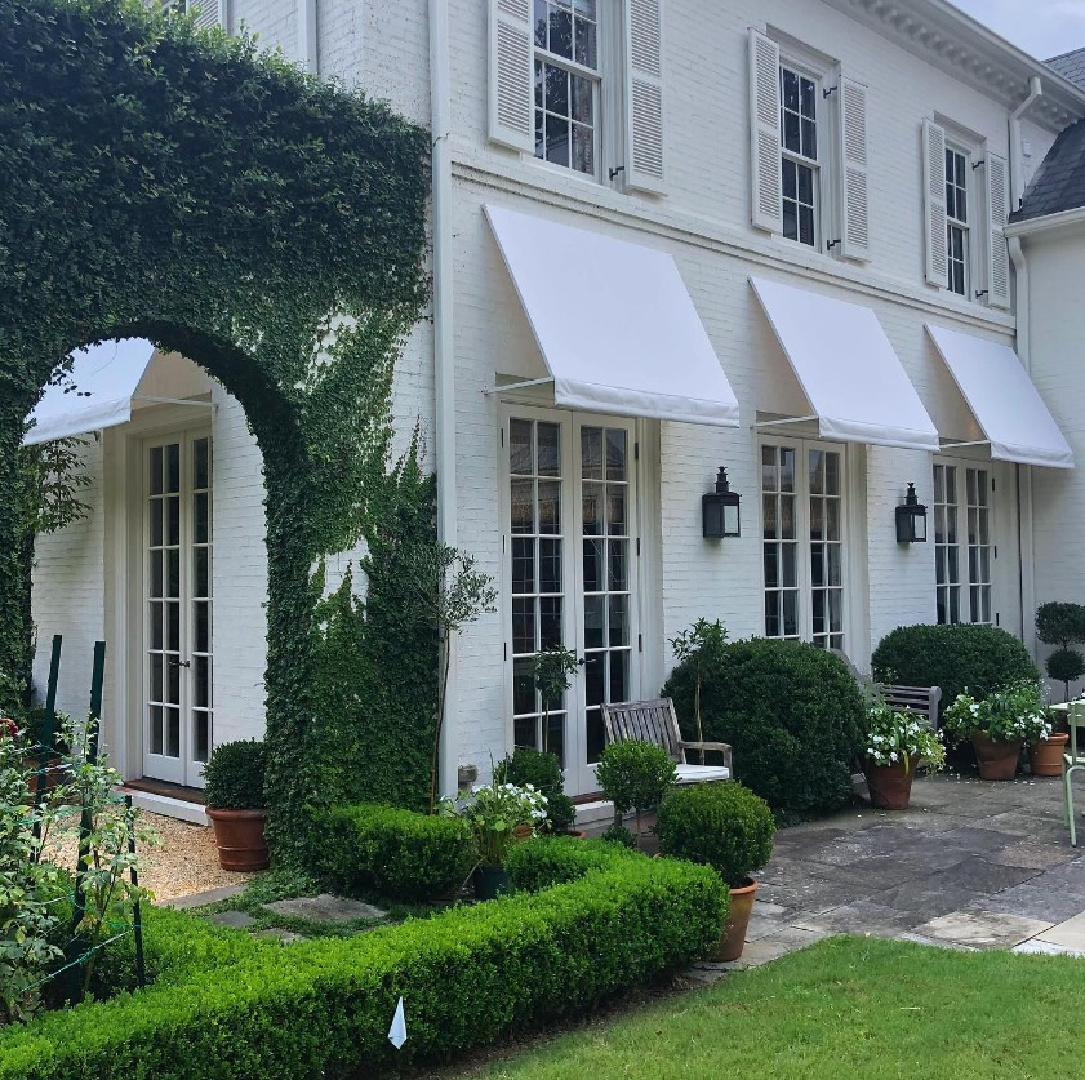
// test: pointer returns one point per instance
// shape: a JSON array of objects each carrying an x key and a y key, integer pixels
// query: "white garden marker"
[{"x": 397, "y": 1033}]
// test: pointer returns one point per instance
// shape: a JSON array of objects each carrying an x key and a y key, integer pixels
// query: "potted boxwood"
[
  {"x": 999, "y": 725},
  {"x": 635, "y": 775},
  {"x": 895, "y": 745},
  {"x": 500, "y": 815},
  {"x": 729, "y": 828},
  {"x": 542, "y": 770},
  {"x": 234, "y": 779}
]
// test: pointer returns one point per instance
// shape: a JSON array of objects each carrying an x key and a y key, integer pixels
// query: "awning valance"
[
  {"x": 614, "y": 322},
  {"x": 1009, "y": 410},
  {"x": 857, "y": 389}
]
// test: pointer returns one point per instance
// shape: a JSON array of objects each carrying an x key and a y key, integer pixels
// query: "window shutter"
[
  {"x": 512, "y": 121},
  {"x": 934, "y": 201},
  {"x": 644, "y": 95},
  {"x": 206, "y": 12},
  {"x": 855, "y": 214},
  {"x": 998, "y": 274},
  {"x": 765, "y": 164}
]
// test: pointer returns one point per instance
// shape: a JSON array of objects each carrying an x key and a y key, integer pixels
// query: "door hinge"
[
  {"x": 995, "y": 549},
  {"x": 505, "y": 650},
  {"x": 998, "y": 619},
  {"x": 992, "y": 483},
  {"x": 638, "y": 547},
  {"x": 640, "y": 643},
  {"x": 636, "y": 451},
  {"x": 502, "y": 434}
]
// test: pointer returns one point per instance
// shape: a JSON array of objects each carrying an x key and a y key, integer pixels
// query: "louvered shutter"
[
  {"x": 644, "y": 95},
  {"x": 511, "y": 105},
  {"x": 207, "y": 13},
  {"x": 934, "y": 204},
  {"x": 855, "y": 213},
  {"x": 998, "y": 273},
  {"x": 765, "y": 161}
]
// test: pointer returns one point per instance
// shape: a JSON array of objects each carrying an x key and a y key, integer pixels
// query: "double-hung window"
[
  {"x": 801, "y": 177},
  {"x": 958, "y": 253},
  {"x": 962, "y": 543}
]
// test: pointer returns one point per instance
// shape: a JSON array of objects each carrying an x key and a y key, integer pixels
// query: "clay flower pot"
[
  {"x": 239, "y": 837},
  {"x": 733, "y": 937},
  {"x": 890, "y": 786},
  {"x": 1046, "y": 755},
  {"x": 997, "y": 758}
]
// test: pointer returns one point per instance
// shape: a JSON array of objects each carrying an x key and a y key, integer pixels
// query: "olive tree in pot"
[
  {"x": 234, "y": 778},
  {"x": 635, "y": 775},
  {"x": 729, "y": 828}
]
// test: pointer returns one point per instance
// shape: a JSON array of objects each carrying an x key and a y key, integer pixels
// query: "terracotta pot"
[
  {"x": 890, "y": 786},
  {"x": 997, "y": 758},
  {"x": 577, "y": 834},
  {"x": 491, "y": 882},
  {"x": 733, "y": 937},
  {"x": 239, "y": 837},
  {"x": 1046, "y": 755},
  {"x": 33, "y": 778},
  {"x": 522, "y": 832}
]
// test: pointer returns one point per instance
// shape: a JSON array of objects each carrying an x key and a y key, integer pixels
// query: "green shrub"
[
  {"x": 634, "y": 775},
  {"x": 1065, "y": 665},
  {"x": 556, "y": 860},
  {"x": 980, "y": 658},
  {"x": 543, "y": 770},
  {"x": 619, "y": 834},
  {"x": 234, "y": 776},
  {"x": 793, "y": 715},
  {"x": 725, "y": 826},
  {"x": 467, "y": 976},
  {"x": 395, "y": 853}
]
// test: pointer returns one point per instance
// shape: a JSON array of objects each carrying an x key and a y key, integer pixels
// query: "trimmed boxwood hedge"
[
  {"x": 468, "y": 976},
  {"x": 396, "y": 853}
]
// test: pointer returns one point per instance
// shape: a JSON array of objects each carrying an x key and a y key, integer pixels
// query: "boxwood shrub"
[
  {"x": 467, "y": 977},
  {"x": 234, "y": 776},
  {"x": 982, "y": 658},
  {"x": 397, "y": 853},
  {"x": 793, "y": 714}
]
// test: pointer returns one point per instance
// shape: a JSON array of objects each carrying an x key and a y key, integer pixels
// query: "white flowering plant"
[
  {"x": 497, "y": 812},
  {"x": 895, "y": 735},
  {"x": 1015, "y": 712}
]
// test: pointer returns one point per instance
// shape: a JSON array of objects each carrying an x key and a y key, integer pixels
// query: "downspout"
[
  {"x": 307, "y": 48},
  {"x": 444, "y": 374},
  {"x": 1017, "y": 165}
]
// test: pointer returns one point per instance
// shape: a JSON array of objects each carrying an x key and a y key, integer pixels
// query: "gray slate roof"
[{"x": 1070, "y": 66}]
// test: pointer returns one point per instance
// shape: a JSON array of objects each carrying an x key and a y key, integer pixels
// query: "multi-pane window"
[
  {"x": 962, "y": 561},
  {"x": 799, "y": 135},
  {"x": 826, "y": 548},
  {"x": 567, "y": 77},
  {"x": 779, "y": 510},
  {"x": 957, "y": 218}
]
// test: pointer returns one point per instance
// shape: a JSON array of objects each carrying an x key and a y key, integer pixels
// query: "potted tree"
[
  {"x": 635, "y": 775},
  {"x": 895, "y": 745},
  {"x": 700, "y": 649},
  {"x": 1059, "y": 624},
  {"x": 500, "y": 815},
  {"x": 729, "y": 828},
  {"x": 542, "y": 770},
  {"x": 234, "y": 778},
  {"x": 999, "y": 725},
  {"x": 552, "y": 669}
]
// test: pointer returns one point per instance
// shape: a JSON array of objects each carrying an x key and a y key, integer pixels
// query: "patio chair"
[{"x": 1071, "y": 762}]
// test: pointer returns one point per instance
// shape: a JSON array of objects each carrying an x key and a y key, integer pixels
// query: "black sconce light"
[
  {"x": 719, "y": 510},
  {"x": 911, "y": 520}
]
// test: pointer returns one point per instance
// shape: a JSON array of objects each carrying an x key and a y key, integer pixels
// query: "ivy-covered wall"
[{"x": 162, "y": 183}]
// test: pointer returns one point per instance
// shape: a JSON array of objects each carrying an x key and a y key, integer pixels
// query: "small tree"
[
  {"x": 1062, "y": 624},
  {"x": 635, "y": 775},
  {"x": 553, "y": 669},
  {"x": 700, "y": 647}
]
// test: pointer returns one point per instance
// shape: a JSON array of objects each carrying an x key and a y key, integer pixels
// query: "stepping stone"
[
  {"x": 1069, "y": 934},
  {"x": 287, "y": 937},
  {"x": 202, "y": 899},
  {"x": 981, "y": 930},
  {"x": 326, "y": 908},
  {"x": 1044, "y": 948},
  {"x": 237, "y": 919}
]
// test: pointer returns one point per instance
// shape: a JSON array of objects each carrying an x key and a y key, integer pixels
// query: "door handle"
[
  {"x": 582, "y": 660},
  {"x": 179, "y": 663}
]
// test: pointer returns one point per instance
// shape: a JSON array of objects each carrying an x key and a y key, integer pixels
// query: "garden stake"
[
  {"x": 137, "y": 924},
  {"x": 85, "y": 824},
  {"x": 47, "y": 742}
]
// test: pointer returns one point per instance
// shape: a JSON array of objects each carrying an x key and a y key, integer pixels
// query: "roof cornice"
[
  {"x": 1063, "y": 219},
  {"x": 949, "y": 39}
]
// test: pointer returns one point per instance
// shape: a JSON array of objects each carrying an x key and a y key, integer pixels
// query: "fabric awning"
[
  {"x": 1006, "y": 405},
  {"x": 614, "y": 323},
  {"x": 103, "y": 381},
  {"x": 857, "y": 389}
]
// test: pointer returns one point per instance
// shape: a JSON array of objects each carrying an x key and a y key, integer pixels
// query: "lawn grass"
[{"x": 846, "y": 1007}]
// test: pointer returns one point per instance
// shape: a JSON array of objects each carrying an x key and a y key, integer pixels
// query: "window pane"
[
  {"x": 585, "y": 43},
  {"x": 523, "y": 688},
  {"x": 550, "y": 629},
  {"x": 619, "y": 675},
  {"x": 592, "y": 509},
  {"x": 772, "y": 566},
  {"x": 591, "y": 453},
  {"x": 523, "y": 506},
  {"x": 201, "y": 453},
  {"x": 593, "y": 622},
  {"x": 520, "y": 447},
  {"x": 616, "y": 510},
  {"x": 769, "y": 476},
  {"x": 790, "y": 614},
  {"x": 541, "y": 14},
  {"x": 791, "y": 93},
  {"x": 615, "y": 454},
  {"x": 809, "y": 140},
  {"x": 789, "y": 561},
  {"x": 523, "y": 565},
  {"x": 549, "y": 449},
  {"x": 550, "y": 566},
  {"x": 173, "y": 468},
  {"x": 549, "y": 506},
  {"x": 768, "y": 514},
  {"x": 792, "y": 133},
  {"x": 806, "y": 226},
  {"x": 791, "y": 182},
  {"x": 618, "y": 577},
  {"x": 593, "y": 565},
  {"x": 156, "y": 470},
  {"x": 561, "y": 33},
  {"x": 557, "y": 139},
  {"x": 791, "y": 221},
  {"x": 523, "y": 625},
  {"x": 619, "y": 621},
  {"x": 806, "y": 185}
]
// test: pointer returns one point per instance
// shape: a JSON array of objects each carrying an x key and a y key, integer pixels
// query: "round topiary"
[
  {"x": 793, "y": 715},
  {"x": 234, "y": 776},
  {"x": 1065, "y": 665},
  {"x": 725, "y": 826},
  {"x": 635, "y": 775}
]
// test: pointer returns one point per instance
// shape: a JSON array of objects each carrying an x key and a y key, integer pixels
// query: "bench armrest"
[{"x": 722, "y": 747}]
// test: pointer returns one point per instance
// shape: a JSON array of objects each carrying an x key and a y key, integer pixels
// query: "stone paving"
[{"x": 972, "y": 864}]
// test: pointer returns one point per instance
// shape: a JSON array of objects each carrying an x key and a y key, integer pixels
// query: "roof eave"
[{"x": 1047, "y": 222}]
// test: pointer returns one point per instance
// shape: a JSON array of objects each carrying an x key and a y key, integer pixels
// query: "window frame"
[
  {"x": 789, "y": 62},
  {"x": 971, "y": 583},
  {"x": 958, "y": 150}
]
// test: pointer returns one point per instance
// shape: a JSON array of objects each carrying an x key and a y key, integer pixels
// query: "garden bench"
[
  {"x": 656, "y": 722},
  {"x": 922, "y": 701}
]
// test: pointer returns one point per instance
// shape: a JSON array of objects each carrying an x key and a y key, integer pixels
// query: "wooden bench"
[
  {"x": 656, "y": 722},
  {"x": 921, "y": 701}
]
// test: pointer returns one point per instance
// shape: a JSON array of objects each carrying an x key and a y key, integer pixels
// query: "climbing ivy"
[{"x": 160, "y": 182}]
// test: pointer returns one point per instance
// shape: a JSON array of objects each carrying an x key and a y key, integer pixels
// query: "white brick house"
[{"x": 669, "y": 236}]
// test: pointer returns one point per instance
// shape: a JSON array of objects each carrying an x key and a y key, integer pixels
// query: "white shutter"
[
  {"x": 765, "y": 161},
  {"x": 934, "y": 204},
  {"x": 512, "y": 121},
  {"x": 644, "y": 95},
  {"x": 207, "y": 13},
  {"x": 998, "y": 273},
  {"x": 855, "y": 213}
]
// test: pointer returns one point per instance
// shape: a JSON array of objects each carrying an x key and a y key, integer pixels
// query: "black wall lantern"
[
  {"x": 719, "y": 510},
  {"x": 911, "y": 520}
]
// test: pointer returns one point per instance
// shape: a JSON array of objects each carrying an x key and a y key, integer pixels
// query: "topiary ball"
[
  {"x": 234, "y": 776},
  {"x": 1065, "y": 665},
  {"x": 725, "y": 826}
]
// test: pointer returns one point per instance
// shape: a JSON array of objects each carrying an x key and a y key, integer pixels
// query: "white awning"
[
  {"x": 614, "y": 323},
  {"x": 855, "y": 384},
  {"x": 1006, "y": 405}
]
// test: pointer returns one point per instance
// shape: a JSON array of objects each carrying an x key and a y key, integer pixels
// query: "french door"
[
  {"x": 571, "y": 563},
  {"x": 177, "y": 602}
]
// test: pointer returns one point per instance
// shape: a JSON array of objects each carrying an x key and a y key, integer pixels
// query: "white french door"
[
  {"x": 571, "y": 565},
  {"x": 177, "y": 602}
]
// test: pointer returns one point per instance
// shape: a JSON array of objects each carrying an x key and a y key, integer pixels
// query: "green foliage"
[
  {"x": 1060, "y": 624},
  {"x": 497, "y": 813},
  {"x": 468, "y": 977},
  {"x": 793, "y": 715},
  {"x": 234, "y": 776},
  {"x": 189, "y": 188},
  {"x": 894, "y": 735},
  {"x": 1065, "y": 665},
  {"x": 699, "y": 649},
  {"x": 393, "y": 852},
  {"x": 543, "y": 771},
  {"x": 634, "y": 775},
  {"x": 725, "y": 826},
  {"x": 981, "y": 658},
  {"x": 1015, "y": 712},
  {"x": 619, "y": 834}
]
